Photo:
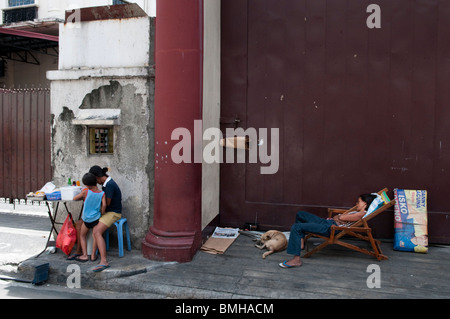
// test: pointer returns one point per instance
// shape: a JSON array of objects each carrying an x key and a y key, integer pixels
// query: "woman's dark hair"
[
  {"x": 89, "y": 179},
  {"x": 98, "y": 171},
  {"x": 368, "y": 199}
]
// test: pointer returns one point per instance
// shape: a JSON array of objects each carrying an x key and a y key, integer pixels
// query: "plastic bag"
[{"x": 67, "y": 236}]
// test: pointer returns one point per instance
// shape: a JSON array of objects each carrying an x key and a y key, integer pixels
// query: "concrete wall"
[
  {"x": 96, "y": 80},
  {"x": 24, "y": 75},
  {"x": 211, "y": 106},
  {"x": 109, "y": 44}
]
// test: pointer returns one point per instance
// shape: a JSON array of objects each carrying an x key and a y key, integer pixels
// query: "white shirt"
[{"x": 107, "y": 180}]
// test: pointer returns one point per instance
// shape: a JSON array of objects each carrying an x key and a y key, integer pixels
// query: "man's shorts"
[{"x": 110, "y": 218}]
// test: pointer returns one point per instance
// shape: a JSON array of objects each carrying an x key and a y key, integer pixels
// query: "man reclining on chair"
[{"x": 309, "y": 223}]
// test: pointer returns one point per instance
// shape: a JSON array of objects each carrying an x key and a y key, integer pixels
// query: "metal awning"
[{"x": 21, "y": 45}]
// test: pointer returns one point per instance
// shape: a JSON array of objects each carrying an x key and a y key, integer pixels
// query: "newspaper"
[
  {"x": 220, "y": 241},
  {"x": 220, "y": 232}
]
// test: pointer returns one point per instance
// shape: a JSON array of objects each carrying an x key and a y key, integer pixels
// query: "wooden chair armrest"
[
  {"x": 350, "y": 228},
  {"x": 332, "y": 211}
]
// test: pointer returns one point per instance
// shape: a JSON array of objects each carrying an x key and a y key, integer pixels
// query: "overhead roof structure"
[{"x": 21, "y": 45}]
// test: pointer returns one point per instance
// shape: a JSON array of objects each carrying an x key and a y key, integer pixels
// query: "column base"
[{"x": 170, "y": 246}]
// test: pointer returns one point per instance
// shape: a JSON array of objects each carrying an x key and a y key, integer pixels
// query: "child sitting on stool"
[{"x": 94, "y": 208}]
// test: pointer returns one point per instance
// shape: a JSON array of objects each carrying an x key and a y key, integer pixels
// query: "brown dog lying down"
[{"x": 274, "y": 241}]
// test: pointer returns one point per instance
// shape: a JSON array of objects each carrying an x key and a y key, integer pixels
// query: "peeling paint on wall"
[{"x": 108, "y": 86}]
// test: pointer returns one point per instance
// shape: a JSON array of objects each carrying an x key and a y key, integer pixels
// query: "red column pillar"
[{"x": 176, "y": 231}]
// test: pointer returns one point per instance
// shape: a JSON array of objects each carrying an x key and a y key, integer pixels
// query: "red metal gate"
[{"x": 25, "y": 146}]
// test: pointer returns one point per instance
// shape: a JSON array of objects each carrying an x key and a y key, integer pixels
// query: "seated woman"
[
  {"x": 309, "y": 223},
  {"x": 113, "y": 212}
]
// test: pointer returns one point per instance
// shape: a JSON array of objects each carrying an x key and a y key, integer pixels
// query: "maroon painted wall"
[{"x": 358, "y": 109}]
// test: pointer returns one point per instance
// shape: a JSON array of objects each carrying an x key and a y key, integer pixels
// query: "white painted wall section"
[{"x": 109, "y": 44}]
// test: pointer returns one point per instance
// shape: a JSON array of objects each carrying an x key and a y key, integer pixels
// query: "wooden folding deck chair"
[{"x": 359, "y": 229}]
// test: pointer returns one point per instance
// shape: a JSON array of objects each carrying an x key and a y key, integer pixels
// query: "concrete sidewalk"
[{"x": 241, "y": 273}]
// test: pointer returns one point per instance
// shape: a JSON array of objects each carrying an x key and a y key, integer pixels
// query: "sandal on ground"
[
  {"x": 100, "y": 268},
  {"x": 73, "y": 256},
  {"x": 95, "y": 258},
  {"x": 285, "y": 265},
  {"x": 81, "y": 260}
]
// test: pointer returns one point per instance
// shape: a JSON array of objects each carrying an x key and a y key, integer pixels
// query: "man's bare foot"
[{"x": 294, "y": 262}]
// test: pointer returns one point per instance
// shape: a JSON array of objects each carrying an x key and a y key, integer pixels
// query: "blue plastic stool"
[{"x": 119, "y": 225}]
